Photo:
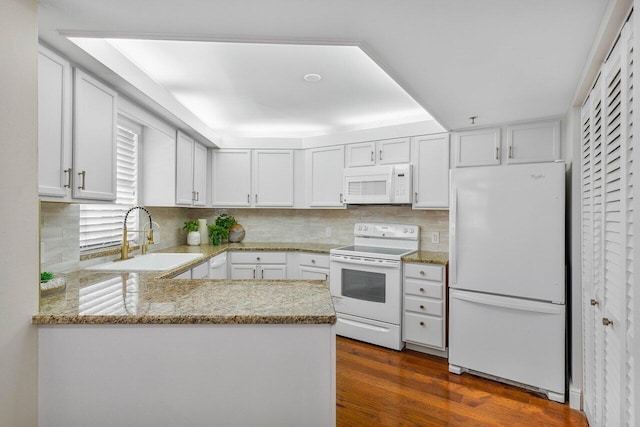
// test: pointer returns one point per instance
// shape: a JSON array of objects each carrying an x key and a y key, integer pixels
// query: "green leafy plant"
[
  {"x": 191, "y": 225},
  {"x": 45, "y": 276},
  {"x": 226, "y": 221},
  {"x": 217, "y": 233}
]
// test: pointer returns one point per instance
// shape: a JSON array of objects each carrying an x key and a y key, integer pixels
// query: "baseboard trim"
[{"x": 575, "y": 398}]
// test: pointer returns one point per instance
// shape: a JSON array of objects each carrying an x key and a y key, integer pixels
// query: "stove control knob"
[
  {"x": 405, "y": 230},
  {"x": 366, "y": 228},
  {"x": 359, "y": 227},
  {"x": 412, "y": 230}
]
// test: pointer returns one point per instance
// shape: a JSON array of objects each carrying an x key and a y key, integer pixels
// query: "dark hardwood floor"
[{"x": 381, "y": 387}]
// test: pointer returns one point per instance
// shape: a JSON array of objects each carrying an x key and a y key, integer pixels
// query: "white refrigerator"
[{"x": 507, "y": 274}]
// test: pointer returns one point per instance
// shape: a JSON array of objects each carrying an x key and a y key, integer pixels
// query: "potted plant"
[
  {"x": 193, "y": 237},
  {"x": 217, "y": 233},
  {"x": 235, "y": 232}
]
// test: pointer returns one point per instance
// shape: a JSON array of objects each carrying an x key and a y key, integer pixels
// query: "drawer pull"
[
  {"x": 594, "y": 302},
  {"x": 313, "y": 261},
  {"x": 606, "y": 322},
  {"x": 422, "y": 307},
  {"x": 421, "y": 289},
  {"x": 258, "y": 258},
  {"x": 422, "y": 273},
  {"x": 421, "y": 323}
]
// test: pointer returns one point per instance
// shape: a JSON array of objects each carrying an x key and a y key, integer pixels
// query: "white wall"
[{"x": 18, "y": 213}]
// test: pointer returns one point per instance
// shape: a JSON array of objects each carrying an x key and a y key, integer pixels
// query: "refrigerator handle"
[
  {"x": 453, "y": 237},
  {"x": 508, "y": 302}
]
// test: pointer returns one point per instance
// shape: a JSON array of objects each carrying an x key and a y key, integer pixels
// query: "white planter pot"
[{"x": 193, "y": 238}]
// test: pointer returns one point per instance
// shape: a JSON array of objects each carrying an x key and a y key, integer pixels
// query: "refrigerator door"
[
  {"x": 514, "y": 339},
  {"x": 507, "y": 230}
]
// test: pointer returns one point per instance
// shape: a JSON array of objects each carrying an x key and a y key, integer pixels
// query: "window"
[{"x": 101, "y": 224}]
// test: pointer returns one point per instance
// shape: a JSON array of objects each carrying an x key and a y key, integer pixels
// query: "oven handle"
[{"x": 385, "y": 264}]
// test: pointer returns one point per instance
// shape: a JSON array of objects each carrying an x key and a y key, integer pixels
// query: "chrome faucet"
[{"x": 125, "y": 249}]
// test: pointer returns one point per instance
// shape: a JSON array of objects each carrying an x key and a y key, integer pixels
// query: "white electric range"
[{"x": 366, "y": 282}]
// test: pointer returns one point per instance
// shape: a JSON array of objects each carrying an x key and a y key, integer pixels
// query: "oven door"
[{"x": 366, "y": 287}]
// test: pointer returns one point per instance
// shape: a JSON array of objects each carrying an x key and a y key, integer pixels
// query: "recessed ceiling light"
[{"x": 312, "y": 77}]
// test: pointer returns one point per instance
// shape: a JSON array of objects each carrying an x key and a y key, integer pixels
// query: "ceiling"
[{"x": 499, "y": 60}]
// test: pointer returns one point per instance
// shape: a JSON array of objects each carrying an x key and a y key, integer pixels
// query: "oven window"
[{"x": 363, "y": 285}]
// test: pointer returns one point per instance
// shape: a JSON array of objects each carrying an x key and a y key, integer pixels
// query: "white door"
[
  {"x": 184, "y": 169},
  {"x": 533, "y": 142},
  {"x": 273, "y": 272},
  {"x": 516, "y": 339},
  {"x": 324, "y": 176},
  {"x": 507, "y": 230},
  {"x": 54, "y": 124},
  {"x": 94, "y": 139},
  {"x": 431, "y": 172},
  {"x": 477, "y": 147},
  {"x": 361, "y": 154},
  {"x": 200, "y": 175},
  {"x": 231, "y": 178},
  {"x": 273, "y": 178},
  {"x": 243, "y": 271},
  {"x": 393, "y": 151}
]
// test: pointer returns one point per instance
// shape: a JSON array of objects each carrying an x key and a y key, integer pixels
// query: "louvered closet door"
[{"x": 607, "y": 247}]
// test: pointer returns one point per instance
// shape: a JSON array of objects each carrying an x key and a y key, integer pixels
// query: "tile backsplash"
[{"x": 60, "y": 230}]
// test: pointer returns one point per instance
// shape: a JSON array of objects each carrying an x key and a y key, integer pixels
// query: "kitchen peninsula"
[{"x": 116, "y": 347}]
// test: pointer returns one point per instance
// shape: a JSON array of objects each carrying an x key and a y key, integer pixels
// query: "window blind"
[{"x": 101, "y": 224}]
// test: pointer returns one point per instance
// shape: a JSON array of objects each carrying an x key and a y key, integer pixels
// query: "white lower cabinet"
[
  {"x": 218, "y": 267},
  {"x": 424, "y": 312},
  {"x": 313, "y": 266},
  {"x": 200, "y": 271},
  {"x": 258, "y": 265}
]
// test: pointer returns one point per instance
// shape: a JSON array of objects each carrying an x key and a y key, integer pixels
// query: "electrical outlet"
[
  {"x": 327, "y": 232},
  {"x": 435, "y": 237}
]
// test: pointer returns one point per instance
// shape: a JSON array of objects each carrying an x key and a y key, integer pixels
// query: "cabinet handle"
[
  {"x": 421, "y": 272},
  {"x": 254, "y": 273},
  {"x": 421, "y": 323},
  {"x": 68, "y": 172},
  {"x": 341, "y": 198},
  {"x": 313, "y": 261},
  {"x": 248, "y": 198},
  {"x": 257, "y": 258},
  {"x": 83, "y": 175},
  {"x": 511, "y": 151},
  {"x": 380, "y": 154},
  {"x": 256, "y": 199},
  {"x": 262, "y": 273},
  {"x": 594, "y": 302},
  {"x": 326, "y": 276},
  {"x": 606, "y": 322},
  {"x": 372, "y": 159},
  {"x": 497, "y": 153},
  {"x": 422, "y": 307},
  {"x": 197, "y": 195},
  {"x": 421, "y": 289},
  {"x": 415, "y": 197}
]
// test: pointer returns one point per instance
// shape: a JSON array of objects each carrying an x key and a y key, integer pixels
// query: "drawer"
[
  {"x": 242, "y": 257},
  {"x": 314, "y": 260},
  {"x": 183, "y": 275},
  {"x": 200, "y": 271},
  {"x": 424, "y": 271},
  {"x": 423, "y": 305},
  {"x": 426, "y": 330},
  {"x": 424, "y": 288}
]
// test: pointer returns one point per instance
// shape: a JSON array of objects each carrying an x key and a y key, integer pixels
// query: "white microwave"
[{"x": 388, "y": 184}]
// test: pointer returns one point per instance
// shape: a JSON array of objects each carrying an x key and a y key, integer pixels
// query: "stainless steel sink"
[{"x": 148, "y": 262}]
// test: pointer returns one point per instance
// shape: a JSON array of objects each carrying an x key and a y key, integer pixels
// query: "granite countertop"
[{"x": 95, "y": 297}]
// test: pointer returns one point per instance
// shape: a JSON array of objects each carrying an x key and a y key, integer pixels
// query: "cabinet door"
[
  {"x": 273, "y": 272},
  {"x": 324, "y": 176},
  {"x": 54, "y": 124},
  {"x": 231, "y": 178},
  {"x": 243, "y": 271},
  {"x": 273, "y": 178},
  {"x": 184, "y": 169},
  {"x": 158, "y": 171},
  {"x": 431, "y": 172},
  {"x": 533, "y": 142},
  {"x": 94, "y": 139},
  {"x": 200, "y": 271},
  {"x": 362, "y": 154},
  {"x": 200, "y": 175},
  {"x": 393, "y": 151},
  {"x": 311, "y": 273},
  {"x": 477, "y": 147}
]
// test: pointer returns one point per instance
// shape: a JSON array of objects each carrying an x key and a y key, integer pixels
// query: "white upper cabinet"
[
  {"x": 477, "y": 147},
  {"x": 54, "y": 125},
  {"x": 158, "y": 171},
  {"x": 191, "y": 171},
  {"x": 273, "y": 178},
  {"x": 94, "y": 139},
  {"x": 533, "y": 142},
  {"x": 431, "y": 171},
  {"x": 324, "y": 176},
  {"x": 231, "y": 178},
  {"x": 390, "y": 151}
]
